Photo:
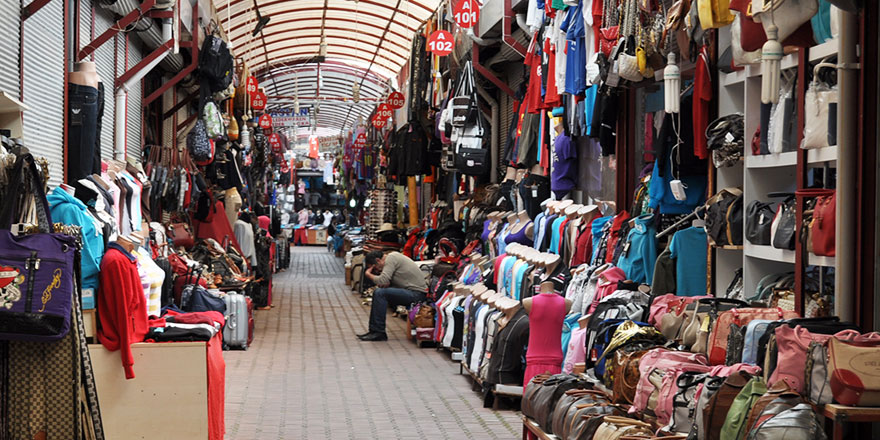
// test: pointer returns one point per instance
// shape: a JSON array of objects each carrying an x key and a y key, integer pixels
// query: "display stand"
[
  {"x": 840, "y": 415},
  {"x": 530, "y": 426},
  {"x": 758, "y": 175},
  {"x": 168, "y": 394}
]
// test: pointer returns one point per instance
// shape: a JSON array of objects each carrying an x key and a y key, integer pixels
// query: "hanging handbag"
[
  {"x": 464, "y": 103},
  {"x": 181, "y": 235},
  {"x": 36, "y": 270},
  {"x": 470, "y": 156},
  {"x": 784, "y": 225},
  {"x": 759, "y": 216},
  {"x": 199, "y": 144},
  {"x": 817, "y": 100},
  {"x": 609, "y": 33},
  {"x": 786, "y": 15},
  {"x": 822, "y": 228},
  {"x": 714, "y": 13},
  {"x": 752, "y": 36}
]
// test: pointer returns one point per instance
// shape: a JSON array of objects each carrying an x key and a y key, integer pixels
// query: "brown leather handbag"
[
  {"x": 626, "y": 375},
  {"x": 572, "y": 398},
  {"x": 615, "y": 427},
  {"x": 715, "y": 412},
  {"x": 181, "y": 235}
]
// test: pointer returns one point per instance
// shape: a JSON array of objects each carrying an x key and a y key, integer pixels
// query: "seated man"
[{"x": 399, "y": 281}]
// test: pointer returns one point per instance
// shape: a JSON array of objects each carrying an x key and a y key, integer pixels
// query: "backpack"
[
  {"x": 439, "y": 285},
  {"x": 717, "y": 209},
  {"x": 213, "y": 120},
  {"x": 797, "y": 423},
  {"x": 199, "y": 144},
  {"x": 734, "y": 424},
  {"x": 215, "y": 64}
]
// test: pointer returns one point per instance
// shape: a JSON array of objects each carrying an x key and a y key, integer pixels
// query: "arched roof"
[{"x": 368, "y": 41}]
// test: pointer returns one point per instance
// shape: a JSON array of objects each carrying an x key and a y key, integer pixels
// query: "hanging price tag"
[
  {"x": 440, "y": 43},
  {"x": 258, "y": 101},
  {"x": 265, "y": 122},
  {"x": 252, "y": 86},
  {"x": 466, "y": 13},
  {"x": 396, "y": 100}
]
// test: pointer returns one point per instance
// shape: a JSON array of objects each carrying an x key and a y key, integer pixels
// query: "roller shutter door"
[
  {"x": 10, "y": 22},
  {"x": 44, "y": 87},
  {"x": 105, "y": 59},
  {"x": 134, "y": 111}
]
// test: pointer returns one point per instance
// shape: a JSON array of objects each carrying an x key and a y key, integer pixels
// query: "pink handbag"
[
  {"x": 662, "y": 359},
  {"x": 668, "y": 303},
  {"x": 729, "y": 370},
  {"x": 669, "y": 388},
  {"x": 792, "y": 345},
  {"x": 717, "y": 346}
]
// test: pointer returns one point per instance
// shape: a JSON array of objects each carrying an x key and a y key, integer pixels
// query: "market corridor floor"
[{"x": 308, "y": 377}]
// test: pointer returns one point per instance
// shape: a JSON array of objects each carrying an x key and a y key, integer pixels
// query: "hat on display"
[{"x": 386, "y": 227}]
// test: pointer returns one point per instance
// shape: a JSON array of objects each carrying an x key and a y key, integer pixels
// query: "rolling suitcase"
[
  {"x": 250, "y": 315},
  {"x": 235, "y": 332}
]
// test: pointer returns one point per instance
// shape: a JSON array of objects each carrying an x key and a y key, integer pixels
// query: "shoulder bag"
[
  {"x": 855, "y": 376},
  {"x": 36, "y": 270},
  {"x": 464, "y": 105}
]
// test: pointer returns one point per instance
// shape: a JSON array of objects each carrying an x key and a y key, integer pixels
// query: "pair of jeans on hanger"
[{"x": 85, "y": 111}]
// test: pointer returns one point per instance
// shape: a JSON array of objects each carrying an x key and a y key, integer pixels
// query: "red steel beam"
[
  {"x": 32, "y": 8},
  {"x": 180, "y": 105},
  {"x": 186, "y": 122},
  {"x": 506, "y": 33},
  {"x": 269, "y": 4},
  {"x": 475, "y": 54},
  {"x": 121, "y": 24},
  {"x": 186, "y": 70},
  {"x": 165, "y": 47}
]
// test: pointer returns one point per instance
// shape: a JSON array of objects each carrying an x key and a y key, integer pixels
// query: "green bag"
[{"x": 734, "y": 424}]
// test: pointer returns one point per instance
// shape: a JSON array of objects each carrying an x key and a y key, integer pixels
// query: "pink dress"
[{"x": 545, "y": 336}]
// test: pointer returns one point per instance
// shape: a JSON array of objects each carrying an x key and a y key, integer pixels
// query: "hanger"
[{"x": 682, "y": 221}]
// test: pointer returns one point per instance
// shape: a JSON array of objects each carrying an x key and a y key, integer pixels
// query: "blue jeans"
[{"x": 383, "y": 297}]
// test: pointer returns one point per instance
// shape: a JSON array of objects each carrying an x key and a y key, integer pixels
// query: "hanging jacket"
[{"x": 69, "y": 210}]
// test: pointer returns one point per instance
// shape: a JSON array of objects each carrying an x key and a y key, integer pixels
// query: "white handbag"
[
  {"x": 787, "y": 15},
  {"x": 817, "y": 100}
]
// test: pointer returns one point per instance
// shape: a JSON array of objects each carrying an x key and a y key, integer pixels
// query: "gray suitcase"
[{"x": 235, "y": 332}]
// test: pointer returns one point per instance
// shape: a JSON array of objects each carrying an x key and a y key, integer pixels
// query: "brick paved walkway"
[{"x": 307, "y": 376}]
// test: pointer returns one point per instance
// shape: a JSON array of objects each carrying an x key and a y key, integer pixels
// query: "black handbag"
[
  {"x": 464, "y": 104},
  {"x": 759, "y": 218},
  {"x": 786, "y": 220},
  {"x": 470, "y": 156}
]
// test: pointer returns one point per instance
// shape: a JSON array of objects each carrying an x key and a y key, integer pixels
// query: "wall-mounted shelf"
[
  {"x": 732, "y": 78},
  {"x": 788, "y": 159},
  {"x": 769, "y": 253},
  {"x": 823, "y": 50},
  {"x": 818, "y": 260},
  {"x": 730, "y": 247},
  {"x": 820, "y": 155}
]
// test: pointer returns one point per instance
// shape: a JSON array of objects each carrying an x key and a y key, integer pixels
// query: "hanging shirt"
[
  {"x": 702, "y": 97},
  {"x": 565, "y": 170},
  {"x": 689, "y": 248},
  {"x": 640, "y": 252}
]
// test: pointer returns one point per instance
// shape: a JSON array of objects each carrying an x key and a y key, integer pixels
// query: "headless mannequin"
[
  {"x": 588, "y": 213},
  {"x": 493, "y": 300},
  {"x": 546, "y": 287},
  {"x": 509, "y": 307},
  {"x": 85, "y": 73},
  {"x": 562, "y": 205},
  {"x": 126, "y": 243}
]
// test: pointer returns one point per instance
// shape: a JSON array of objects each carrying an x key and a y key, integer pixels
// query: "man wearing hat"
[{"x": 400, "y": 282}]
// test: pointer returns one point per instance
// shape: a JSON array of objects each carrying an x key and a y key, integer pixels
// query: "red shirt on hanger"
[{"x": 702, "y": 97}]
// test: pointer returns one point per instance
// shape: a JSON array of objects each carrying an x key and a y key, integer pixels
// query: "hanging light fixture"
[
  {"x": 356, "y": 92},
  {"x": 296, "y": 105},
  {"x": 671, "y": 85},
  {"x": 771, "y": 57}
]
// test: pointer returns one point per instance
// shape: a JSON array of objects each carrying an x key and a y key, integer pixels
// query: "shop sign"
[
  {"x": 378, "y": 122},
  {"x": 288, "y": 119},
  {"x": 383, "y": 112},
  {"x": 258, "y": 101},
  {"x": 275, "y": 142},
  {"x": 466, "y": 13},
  {"x": 440, "y": 43},
  {"x": 252, "y": 86},
  {"x": 361, "y": 140},
  {"x": 396, "y": 100},
  {"x": 265, "y": 122}
]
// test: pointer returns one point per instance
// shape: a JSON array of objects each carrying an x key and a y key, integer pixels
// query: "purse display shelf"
[
  {"x": 822, "y": 155},
  {"x": 769, "y": 253},
  {"x": 819, "y": 260},
  {"x": 530, "y": 426},
  {"x": 787, "y": 159},
  {"x": 840, "y": 415}
]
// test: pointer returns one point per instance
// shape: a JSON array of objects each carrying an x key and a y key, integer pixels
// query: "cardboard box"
[{"x": 348, "y": 275}]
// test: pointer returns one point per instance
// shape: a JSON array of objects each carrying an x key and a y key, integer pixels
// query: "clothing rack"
[{"x": 682, "y": 221}]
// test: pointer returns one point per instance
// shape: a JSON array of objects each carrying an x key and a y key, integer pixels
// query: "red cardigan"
[{"x": 122, "y": 306}]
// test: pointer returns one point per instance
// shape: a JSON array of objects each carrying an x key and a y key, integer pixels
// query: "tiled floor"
[{"x": 307, "y": 376}]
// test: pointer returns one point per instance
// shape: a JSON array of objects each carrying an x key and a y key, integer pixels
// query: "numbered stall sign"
[
  {"x": 440, "y": 43},
  {"x": 275, "y": 142},
  {"x": 252, "y": 86},
  {"x": 377, "y": 122},
  {"x": 384, "y": 111},
  {"x": 396, "y": 100},
  {"x": 258, "y": 101},
  {"x": 466, "y": 13},
  {"x": 265, "y": 122}
]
